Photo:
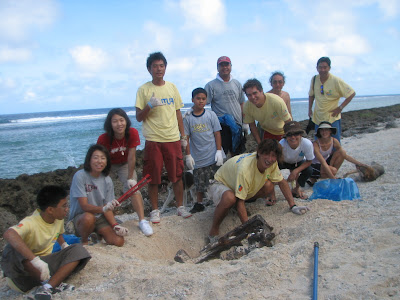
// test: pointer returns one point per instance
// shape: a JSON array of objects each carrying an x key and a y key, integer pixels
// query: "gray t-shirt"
[
  {"x": 225, "y": 98},
  {"x": 98, "y": 191},
  {"x": 202, "y": 140}
]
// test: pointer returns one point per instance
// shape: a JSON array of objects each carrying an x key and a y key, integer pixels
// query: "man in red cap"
[{"x": 226, "y": 97}]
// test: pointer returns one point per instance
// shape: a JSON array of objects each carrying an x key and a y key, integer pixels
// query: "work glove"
[
  {"x": 43, "y": 267},
  {"x": 111, "y": 205},
  {"x": 299, "y": 210},
  {"x": 184, "y": 141},
  {"x": 245, "y": 128},
  {"x": 131, "y": 183},
  {"x": 121, "y": 231},
  {"x": 189, "y": 162},
  {"x": 219, "y": 158},
  {"x": 154, "y": 101},
  {"x": 64, "y": 245}
]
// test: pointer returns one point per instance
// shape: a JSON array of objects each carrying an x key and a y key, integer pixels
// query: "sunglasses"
[
  {"x": 322, "y": 89},
  {"x": 277, "y": 81},
  {"x": 293, "y": 134}
]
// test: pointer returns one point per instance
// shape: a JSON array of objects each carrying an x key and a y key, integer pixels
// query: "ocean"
[{"x": 40, "y": 142}]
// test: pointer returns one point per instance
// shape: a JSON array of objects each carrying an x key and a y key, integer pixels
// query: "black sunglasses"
[
  {"x": 322, "y": 89},
  {"x": 293, "y": 133}
]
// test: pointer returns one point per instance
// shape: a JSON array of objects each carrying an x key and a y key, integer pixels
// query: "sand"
[{"x": 359, "y": 254}]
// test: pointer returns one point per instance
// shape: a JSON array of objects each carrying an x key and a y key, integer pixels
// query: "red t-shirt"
[{"x": 119, "y": 148}]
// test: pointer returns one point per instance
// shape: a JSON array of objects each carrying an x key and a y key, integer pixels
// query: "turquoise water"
[{"x": 46, "y": 141}]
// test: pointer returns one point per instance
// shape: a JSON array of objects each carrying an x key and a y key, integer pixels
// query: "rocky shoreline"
[{"x": 18, "y": 196}]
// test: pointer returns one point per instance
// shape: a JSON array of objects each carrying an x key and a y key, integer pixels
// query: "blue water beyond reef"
[{"x": 41, "y": 142}]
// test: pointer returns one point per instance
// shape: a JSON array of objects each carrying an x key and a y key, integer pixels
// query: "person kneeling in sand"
[
  {"x": 92, "y": 199},
  {"x": 298, "y": 154},
  {"x": 27, "y": 259},
  {"x": 329, "y": 154},
  {"x": 247, "y": 177}
]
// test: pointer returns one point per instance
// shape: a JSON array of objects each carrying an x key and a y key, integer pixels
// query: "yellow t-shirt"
[
  {"x": 39, "y": 235},
  {"x": 271, "y": 116},
  {"x": 334, "y": 89},
  {"x": 161, "y": 124},
  {"x": 241, "y": 175}
]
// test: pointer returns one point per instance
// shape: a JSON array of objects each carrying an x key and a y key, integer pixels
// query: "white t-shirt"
[{"x": 304, "y": 150}]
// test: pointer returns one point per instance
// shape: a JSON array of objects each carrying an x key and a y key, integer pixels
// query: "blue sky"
[{"x": 62, "y": 55}]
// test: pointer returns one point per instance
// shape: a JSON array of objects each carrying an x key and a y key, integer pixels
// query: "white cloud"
[
  {"x": 204, "y": 15},
  {"x": 349, "y": 44},
  {"x": 8, "y": 54},
  {"x": 89, "y": 59},
  {"x": 19, "y": 18},
  {"x": 183, "y": 64},
  {"x": 29, "y": 96},
  {"x": 162, "y": 36},
  {"x": 397, "y": 66},
  {"x": 7, "y": 83},
  {"x": 390, "y": 8}
]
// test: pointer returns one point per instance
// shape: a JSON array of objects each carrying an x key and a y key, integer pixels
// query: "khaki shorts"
[
  {"x": 122, "y": 172},
  {"x": 100, "y": 223},
  {"x": 215, "y": 191}
]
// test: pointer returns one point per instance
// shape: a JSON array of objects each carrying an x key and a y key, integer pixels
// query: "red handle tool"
[{"x": 145, "y": 180}]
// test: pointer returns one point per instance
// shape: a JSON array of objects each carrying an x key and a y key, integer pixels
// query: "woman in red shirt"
[{"x": 121, "y": 141}]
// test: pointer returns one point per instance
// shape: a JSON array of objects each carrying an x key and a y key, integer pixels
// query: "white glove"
[
  {"x": 111, "y": 205},
  {"x": 219, "y": 158},
  {"x": 121, "y": 231},
  {"x": 184, "y": 141},
  {"x": 245, "y": 128},
  {"x": 131, "y": 183},
  {"x": 43, "y": 267},
  {"x": 154, "y": 101},
  {"x": 299, "y": 210},
  {"x": 64, "y": 245},
  {"x": 189, "y": 162}
]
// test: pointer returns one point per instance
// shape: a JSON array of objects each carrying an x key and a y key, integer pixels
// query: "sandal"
[
  {"x": 270, "y": 202},
  {"x": 304, "y": 197}
]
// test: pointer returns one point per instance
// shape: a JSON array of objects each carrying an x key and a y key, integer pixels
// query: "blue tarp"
[{"x": 336, "y": 190}]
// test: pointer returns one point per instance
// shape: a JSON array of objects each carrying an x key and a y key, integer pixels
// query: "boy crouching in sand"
[
  {"x": 27, "y": 260},
  {"x": 203, "y": 153}
]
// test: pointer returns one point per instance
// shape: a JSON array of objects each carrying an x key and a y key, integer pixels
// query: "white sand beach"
[{"x": 359, "y": 254}]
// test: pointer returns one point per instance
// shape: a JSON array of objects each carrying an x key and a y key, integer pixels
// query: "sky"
[{"x": 74, "y": 54}]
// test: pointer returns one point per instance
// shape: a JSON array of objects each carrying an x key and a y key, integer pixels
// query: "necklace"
[{"x": 120, "y": 147}]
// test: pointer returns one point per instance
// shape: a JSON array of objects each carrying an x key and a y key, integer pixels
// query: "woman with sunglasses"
[
  {"x": 327, "y": 90},
  {"x": 277, "y": 81},
  {"x": 121, "y": 141},
  {"x": 298, "y": 153},
  {"x": 329, "y": 154}
]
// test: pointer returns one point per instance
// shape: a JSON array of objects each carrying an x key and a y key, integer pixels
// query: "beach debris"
[
  {"x": 315, "y": 281},
  {"x": 368, "y": 172},
  {"x": 255, "y": 233}
]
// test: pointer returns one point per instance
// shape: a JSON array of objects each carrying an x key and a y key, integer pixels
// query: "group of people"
[{"x": 207, "y": 137}]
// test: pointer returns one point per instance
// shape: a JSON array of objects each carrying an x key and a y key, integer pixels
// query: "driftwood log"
[{"x": 256, "y": 233}]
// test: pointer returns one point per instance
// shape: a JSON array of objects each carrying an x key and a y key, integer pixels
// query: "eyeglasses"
[
  {"x": 322, "y": 89},
  {"x": 277, "y": 81},
  {"x": 293, "y": 134}
]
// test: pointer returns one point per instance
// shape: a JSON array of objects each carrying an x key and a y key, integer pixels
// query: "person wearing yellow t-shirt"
[
  {"x": 327, "y": 90},
  {"x": 247, "y": 177},
  {"x": 28, "y": 261},
  {"x": 158, "y": 105},
  {"x": 268, "y": 109}
]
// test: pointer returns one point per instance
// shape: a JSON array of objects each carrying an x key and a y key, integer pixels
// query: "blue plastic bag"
[
  {"x": 69, "y": 238},
  {"x": 336, "y": 190}
]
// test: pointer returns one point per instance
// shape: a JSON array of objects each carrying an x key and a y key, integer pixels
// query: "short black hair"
[
  {"x": 277, "y": 73},
  {"x": 198, "y": 91},
  {"x": 252, "y": 83},
  {"x": 155, "y": 56},
  {"x": 267, "y": 146},
  {"x": 324, "y": 59},
  {"x": 92, "y": 148},
  {"x": 50, "y": 195}
]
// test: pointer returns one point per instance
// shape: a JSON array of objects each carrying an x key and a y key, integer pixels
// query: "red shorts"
[
  {"x": 156, "y": 154},
  {"x": 268, "y": 135}
]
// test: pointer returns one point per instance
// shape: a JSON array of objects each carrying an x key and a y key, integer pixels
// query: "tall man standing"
[
  {"x": 327, "y": 90},
  {"x": 226, "y": 97},
  {"x": 266, "y": 108},
  {"x": 158, "y": 104}
]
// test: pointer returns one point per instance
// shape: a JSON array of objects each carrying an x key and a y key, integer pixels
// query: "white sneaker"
[
  {"x": 183, "y": 213},
  {"x": 145, "y": 227},
  {"x": 155, "y": 216}
]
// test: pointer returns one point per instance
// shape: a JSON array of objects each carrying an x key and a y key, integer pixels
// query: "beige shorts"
[
  {"x": 215, "y": 191},
  {"x": 122, "y": 172}
]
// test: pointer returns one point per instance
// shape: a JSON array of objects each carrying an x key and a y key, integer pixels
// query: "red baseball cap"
[{"x": 224, "y": 59}]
